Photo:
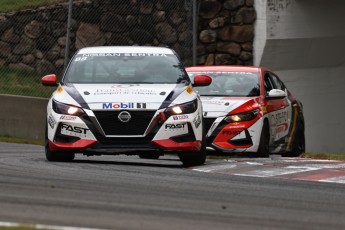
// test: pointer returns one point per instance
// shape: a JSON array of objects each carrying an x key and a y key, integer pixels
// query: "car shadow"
[{"x": 159, "y": 164}]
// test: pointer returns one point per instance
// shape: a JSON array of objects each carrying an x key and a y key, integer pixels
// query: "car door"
[{"x": 279, "y": 112}]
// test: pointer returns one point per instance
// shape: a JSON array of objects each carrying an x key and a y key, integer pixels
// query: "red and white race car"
[{"x": 249, "y": 109}]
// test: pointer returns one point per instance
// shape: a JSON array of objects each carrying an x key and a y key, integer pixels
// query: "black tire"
[
  {"x": 149, "y": 155},
  {"x": 59, "y": 156},
  {"x": 264, "y": 150},
  {"x": 298, "y": 145},
  {"x": 190, "y": 158}
]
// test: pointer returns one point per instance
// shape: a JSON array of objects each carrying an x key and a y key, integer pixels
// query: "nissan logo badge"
[{"x": 124, "y": 116}]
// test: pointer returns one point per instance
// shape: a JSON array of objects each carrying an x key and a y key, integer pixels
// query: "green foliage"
[
  {"x": 18, "y": 140},
  {"x": 24, "y": 83},
  {"x": 324, "y": 156},
  {"x": 13, "y": 5}
]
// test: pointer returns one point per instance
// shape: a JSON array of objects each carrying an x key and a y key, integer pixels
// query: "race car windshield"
[
  {"x": 126, "y": 68},
  {"x": 237, "y": 84}
]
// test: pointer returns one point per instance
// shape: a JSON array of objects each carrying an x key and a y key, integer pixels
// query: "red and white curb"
[
  {"x": 277, "y": 167},
  {"x": 41, "y": 226}
]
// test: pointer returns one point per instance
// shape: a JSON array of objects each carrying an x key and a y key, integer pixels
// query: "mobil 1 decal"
[{"x": 124, "y": 105}]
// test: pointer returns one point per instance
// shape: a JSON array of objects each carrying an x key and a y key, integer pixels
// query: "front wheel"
[
  {"x": 190, "y": 159},
  {"x": 263, "y": 150},
  {"x": 298, "y": 145},
  {"x": 56, "y": 155},
  {"x": 193, "y": 158}
]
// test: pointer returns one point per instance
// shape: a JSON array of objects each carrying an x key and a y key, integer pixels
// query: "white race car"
[{"x": 125, "y": 100}]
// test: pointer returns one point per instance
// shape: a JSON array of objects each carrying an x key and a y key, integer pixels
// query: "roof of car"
[
  {"x": 125, "y": 49},
  {"x": 223, "y": 68}
]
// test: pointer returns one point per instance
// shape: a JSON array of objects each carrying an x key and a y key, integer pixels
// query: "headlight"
[
  {"x": 242, "y": 116},
  {"x": 189, "y": 107},
  {"x": 67, "y": 109}
]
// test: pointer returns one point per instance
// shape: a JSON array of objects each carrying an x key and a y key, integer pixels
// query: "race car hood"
[
  {"x": 221, "y": 106},
  {"x": 128, "y": 96}
]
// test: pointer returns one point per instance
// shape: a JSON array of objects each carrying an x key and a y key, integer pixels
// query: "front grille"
[
  {"x": 111, "y": 124},
  {"x": 208, "y": 123}
]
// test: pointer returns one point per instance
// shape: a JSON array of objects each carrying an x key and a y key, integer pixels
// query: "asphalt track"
[{"x": 120, "y": 192}]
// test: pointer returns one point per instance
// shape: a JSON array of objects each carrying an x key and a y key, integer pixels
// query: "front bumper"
[
  {"x": 234, "y": 137},
  {"x": 86, "y": 135}
]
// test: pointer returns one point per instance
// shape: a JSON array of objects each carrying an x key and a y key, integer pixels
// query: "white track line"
[
  {"x": 340, "y": 180},
  {"x": 274, "y": 172},
  {"x": 214, "y": 168},
  {"x": 42, "y": 226}
]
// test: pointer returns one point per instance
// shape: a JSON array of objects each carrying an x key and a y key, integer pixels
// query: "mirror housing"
[
  {"x": 276, "y": 94},
  {"x": 202, "y": 80},
  {"x": 49, "y": 80}
]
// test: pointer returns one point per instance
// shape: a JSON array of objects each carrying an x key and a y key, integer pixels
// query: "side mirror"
[
  {"x": 202, "y": 80},
  {"x": 49, "y": 80},
  {"x": 276, "y": 94}
]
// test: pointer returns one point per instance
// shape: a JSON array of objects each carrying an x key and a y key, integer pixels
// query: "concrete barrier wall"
[
  {"x": 22, "y": 117},
  {"x": 304, "y": 43}
]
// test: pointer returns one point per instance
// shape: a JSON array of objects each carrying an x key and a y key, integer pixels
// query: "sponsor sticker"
[
  {"x": 60, "y": 89},
  {"x": 123, "y": 90},
  {"x": 279, "y": 118},
  {"x": 124, "y": 105},
  {"x": 263, "y": 109},
  {"x": 213, "y": 102},
  {"x": 67, "y": 118},
  {"x": 73, "y": 130},
  {"x": 189, "y": 90},
  {"x": 175, "y": 126},
  {"x": 51, "y": 121},
  {"x": 121, "y": 86},
  {"x": 231, "y": 132},
  {"x": 180, "y": 117},
  {"x": 220, "y": 72},
  {"x": 197, "y": 121},
  {"x": 125, "y": 55}
]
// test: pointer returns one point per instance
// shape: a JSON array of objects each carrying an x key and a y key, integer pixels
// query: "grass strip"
[
  {"x": 18, "y": 228},
  {"x": 14, "y": 5},
  {"x": 324, "y": 156},
  {"x": 17, "y": 140},
  {"x": 24, "y": 83}
]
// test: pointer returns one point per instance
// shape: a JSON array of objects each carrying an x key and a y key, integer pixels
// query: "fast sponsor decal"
[
  {"x": 123, "y": 105},
  {"x": 51, "y": 121},
  {"x": 231, "y": 132},
  {"x": 180, "y": 117},
  {"x": 175, "y": 126},
  {"x": 73, "y": 130},
  {"x": 67, "y": 118},
  {"x": 197, "y": 121}
]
